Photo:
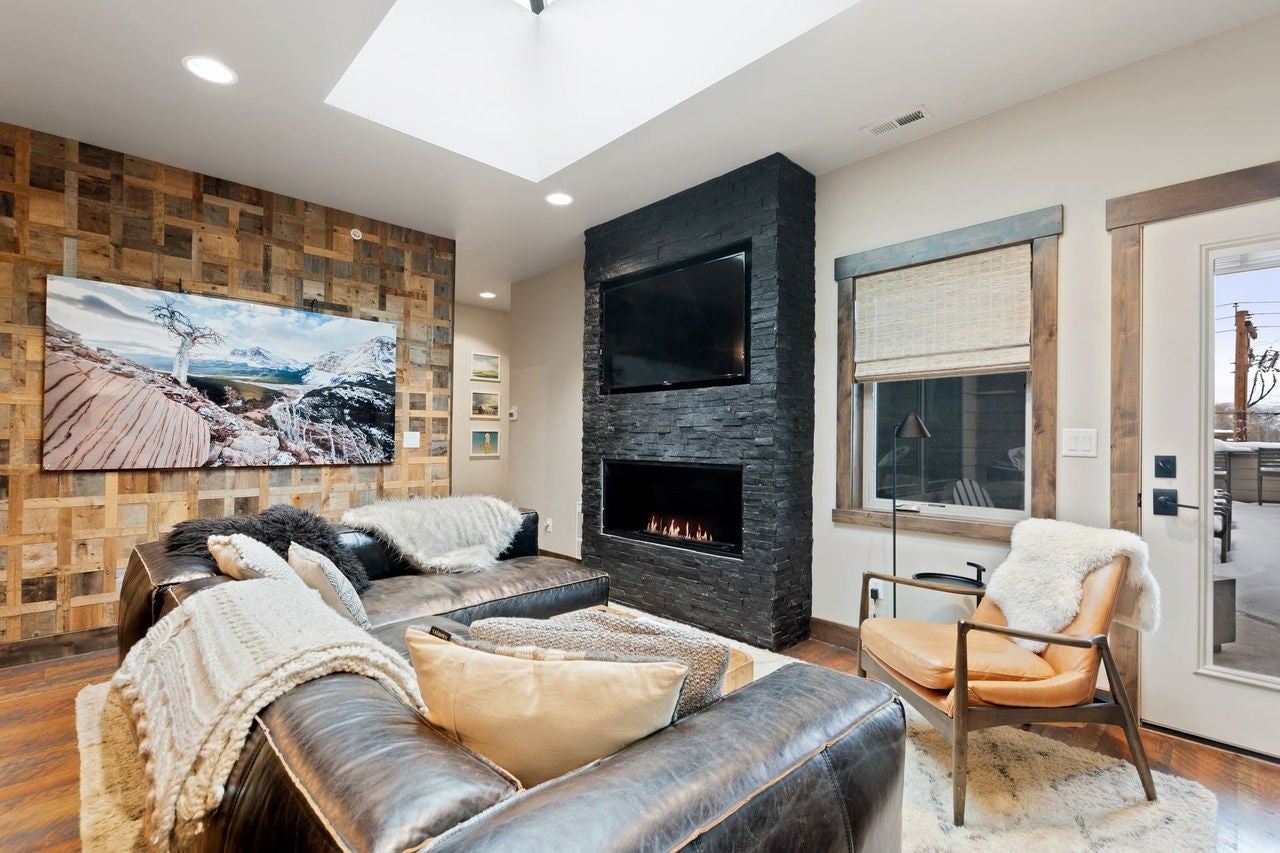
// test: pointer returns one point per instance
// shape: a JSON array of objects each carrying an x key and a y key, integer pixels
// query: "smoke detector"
[{"x": 890, "y": 125}]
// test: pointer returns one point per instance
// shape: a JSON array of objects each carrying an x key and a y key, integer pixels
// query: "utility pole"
[{"x": 1244, "y": 333}]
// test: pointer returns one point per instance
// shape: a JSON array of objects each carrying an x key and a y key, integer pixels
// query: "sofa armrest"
[
  {"x": 804, "y": 759},
  {"x": 151, "y": 570},
  {"x": 526, "y": 542}
]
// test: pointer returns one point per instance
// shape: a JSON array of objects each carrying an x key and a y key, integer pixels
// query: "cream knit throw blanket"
[
  {"x": 1040, "y": 585},
  {"x": 194, "y": 683}
]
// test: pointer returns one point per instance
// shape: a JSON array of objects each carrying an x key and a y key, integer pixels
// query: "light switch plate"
[
  {"x": 1079, "y": 442},
  {"x": 412, "y": 440}
]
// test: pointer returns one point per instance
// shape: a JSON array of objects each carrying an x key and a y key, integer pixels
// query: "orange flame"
[{"x": 677, "y": 528}]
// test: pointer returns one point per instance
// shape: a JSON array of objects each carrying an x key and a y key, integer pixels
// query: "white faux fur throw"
[
  {"x": 1039, "y": 586},
  {"x": 193, "y": 684},
  {"x": 460, "y": 534}
]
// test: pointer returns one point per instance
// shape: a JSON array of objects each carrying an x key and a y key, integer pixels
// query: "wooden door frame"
[{"x": 1126, "y": 218}]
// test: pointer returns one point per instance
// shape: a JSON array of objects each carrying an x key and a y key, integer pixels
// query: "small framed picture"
[
  {"x": 484, "y": 443},
  {"x": 486, "y": 368},
  {"x": 485, "y": 405}
]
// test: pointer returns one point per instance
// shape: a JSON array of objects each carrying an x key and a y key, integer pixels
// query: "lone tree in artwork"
[{"x": 189, "y": 335}]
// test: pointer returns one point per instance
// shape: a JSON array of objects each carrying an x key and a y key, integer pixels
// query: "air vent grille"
[{"x": 890, "y": 125}]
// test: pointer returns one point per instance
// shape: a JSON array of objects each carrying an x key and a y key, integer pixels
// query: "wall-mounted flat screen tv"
[{"x": 677, "y": 328}]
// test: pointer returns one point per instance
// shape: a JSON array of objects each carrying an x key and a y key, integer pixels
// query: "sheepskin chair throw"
[
  {"x": 459, "y": 534},
  {"x": 1040, "y": 584}
]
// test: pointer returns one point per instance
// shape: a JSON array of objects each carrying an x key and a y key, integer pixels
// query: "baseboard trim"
[
  {"x": 38, "y": 649},
  {"x": 833, "y": 633},
  {"x": 544, "y": 553}
]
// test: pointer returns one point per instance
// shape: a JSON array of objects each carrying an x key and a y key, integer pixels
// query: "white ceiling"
[
  {"x": 108, "y": 73},
  {"x": 533, "y": 94}
]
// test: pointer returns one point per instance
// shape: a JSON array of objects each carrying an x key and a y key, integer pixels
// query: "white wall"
[
  {"x": 484, "y": 331},
  {"x": 546, "y": 440},
  {"x": 1196, "y": 111}
]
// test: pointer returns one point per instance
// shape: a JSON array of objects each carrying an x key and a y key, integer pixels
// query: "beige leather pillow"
[{"x": 546, "y": 712}]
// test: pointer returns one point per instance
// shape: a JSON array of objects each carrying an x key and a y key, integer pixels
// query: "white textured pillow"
[
  {"x": 245, "y": 558},
  {"x": 539, "y": 713},
  {"x": 318, "y": 572}
]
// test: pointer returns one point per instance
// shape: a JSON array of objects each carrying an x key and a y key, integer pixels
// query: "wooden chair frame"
[{"x": 1112, "y": 710}]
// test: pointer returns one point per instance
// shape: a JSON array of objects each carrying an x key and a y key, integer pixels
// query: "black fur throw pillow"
[{"x": 276, "y": 527}]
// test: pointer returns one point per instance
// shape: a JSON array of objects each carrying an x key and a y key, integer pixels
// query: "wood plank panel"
[
  {"x": 909, "y": 521},
  {"x": 847, "y": 491},
  {"x": 1126, "y": 424},
  {"x": 1232, "y": 189},
  {"x": 1009, "y": 231},
  {"x": 1044, "y": 377},
  {"x": 68, "y": 208}
]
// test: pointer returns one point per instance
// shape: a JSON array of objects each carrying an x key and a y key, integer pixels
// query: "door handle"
[{"x": 1165, "y": 502}]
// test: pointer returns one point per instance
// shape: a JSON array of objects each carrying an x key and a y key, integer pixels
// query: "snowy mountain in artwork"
[
  {"x": 259, "y": 357},
  {"x": 375, "y": 358}
]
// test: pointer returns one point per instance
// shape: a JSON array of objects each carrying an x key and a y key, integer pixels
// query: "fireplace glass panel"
[{"x": 684, "y": 505}]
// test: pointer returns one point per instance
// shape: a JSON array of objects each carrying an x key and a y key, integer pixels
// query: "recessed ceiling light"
[
  {"x": 488, "y": 295},
  {"x": 559, "y": 199},
  {"x": 208, "y": 68}
]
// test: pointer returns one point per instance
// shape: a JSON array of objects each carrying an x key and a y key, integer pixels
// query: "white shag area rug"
[
  {"x": 113, "y": 787},
  {"x": 1026, "y": 792}
]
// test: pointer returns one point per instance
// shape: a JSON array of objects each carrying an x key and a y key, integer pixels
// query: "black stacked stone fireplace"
[
  {"x": 697, "y": 507},
  {"x": 697, "y": 498}
]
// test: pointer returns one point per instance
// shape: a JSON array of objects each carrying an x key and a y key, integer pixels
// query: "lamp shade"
[{"x": 912, "y": 427}]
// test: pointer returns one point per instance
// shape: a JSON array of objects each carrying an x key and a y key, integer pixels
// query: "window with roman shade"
[{"x": 961, "y": 328}]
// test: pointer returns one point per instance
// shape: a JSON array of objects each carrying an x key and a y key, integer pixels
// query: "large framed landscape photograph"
[{"x": 142, "y": 378}]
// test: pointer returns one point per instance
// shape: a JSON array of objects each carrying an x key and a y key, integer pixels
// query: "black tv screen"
[{"x": 681, "y": 328}]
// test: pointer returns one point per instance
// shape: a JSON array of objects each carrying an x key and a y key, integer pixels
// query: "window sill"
[{"x": 990, "y": 531}]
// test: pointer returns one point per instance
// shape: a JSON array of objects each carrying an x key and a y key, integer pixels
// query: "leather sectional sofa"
[{"x": 802, "y": 759}]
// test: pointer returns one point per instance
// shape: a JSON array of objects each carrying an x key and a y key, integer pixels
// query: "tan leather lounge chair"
[{"x": 930, "y": 664}]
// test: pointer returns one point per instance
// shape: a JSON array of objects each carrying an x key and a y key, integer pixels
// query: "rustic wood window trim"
[
  {"x": 1040, "y": 228},
  {"x": 1126, "y": 218}
]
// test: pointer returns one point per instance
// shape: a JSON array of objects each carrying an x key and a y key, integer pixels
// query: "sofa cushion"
[
  {"x": 405, "y": 597},
  {"x": 539, "y": 713},
  {"x": 925, "y": 652},
  {"x": 318, "y": 572}
]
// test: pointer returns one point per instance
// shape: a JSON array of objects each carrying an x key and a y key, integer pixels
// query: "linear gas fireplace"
[{"x": 678, "y": 504}]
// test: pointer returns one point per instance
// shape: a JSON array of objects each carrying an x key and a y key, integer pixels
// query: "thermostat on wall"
[{"x": 514, "y": 414}]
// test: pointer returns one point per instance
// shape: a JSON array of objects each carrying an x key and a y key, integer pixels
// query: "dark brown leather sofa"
[{"x": 803, "y": 759}]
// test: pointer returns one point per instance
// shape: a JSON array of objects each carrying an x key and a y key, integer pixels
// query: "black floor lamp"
[{"x": 911, "y": 427}]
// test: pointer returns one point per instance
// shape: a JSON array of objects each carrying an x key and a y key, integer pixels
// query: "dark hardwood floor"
[{"x": 39, "y": 767}]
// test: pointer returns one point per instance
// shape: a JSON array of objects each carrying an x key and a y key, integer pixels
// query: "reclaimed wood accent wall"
[{"x": 68, "y": 208}]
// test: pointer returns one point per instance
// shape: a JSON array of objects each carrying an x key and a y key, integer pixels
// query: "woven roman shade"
[{"x": 955, "y": 317}]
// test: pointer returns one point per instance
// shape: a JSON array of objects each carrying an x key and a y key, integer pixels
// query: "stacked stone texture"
[{"x": 766, "y": 426}]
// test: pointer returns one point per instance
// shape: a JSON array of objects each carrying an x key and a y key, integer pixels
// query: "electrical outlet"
[
  {"x": 874, "y": 590},
  {"x": 548, "y": 525}
]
